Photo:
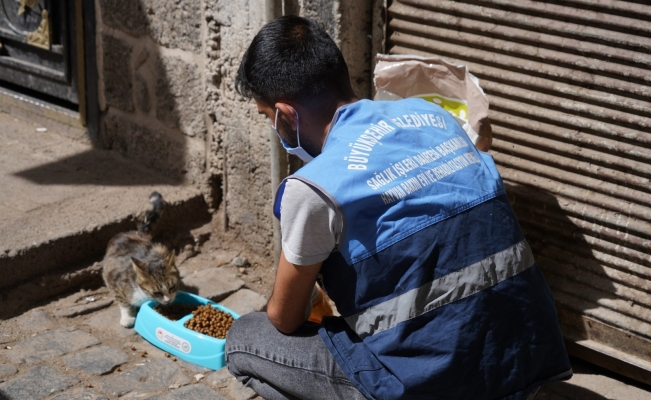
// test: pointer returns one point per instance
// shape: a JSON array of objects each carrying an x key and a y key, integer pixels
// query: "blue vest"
[{"x": 438, "y": 291}]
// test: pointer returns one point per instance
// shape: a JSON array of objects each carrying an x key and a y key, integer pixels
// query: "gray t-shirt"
[{"x": 309, "y": 224}]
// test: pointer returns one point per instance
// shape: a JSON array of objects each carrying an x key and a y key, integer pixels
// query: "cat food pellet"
[
  {"x": 173, "y": 358},
  {"x": 210, "y": 321},
  {"x": 143, "y": 354},
  {"x": 167, "y": 355}
]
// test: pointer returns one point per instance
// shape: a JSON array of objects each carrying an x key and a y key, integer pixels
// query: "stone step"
[
  {"x": 54, "y": 250},
  {"x": 78, "y": 229},
  {"x": 61, "y": 201}
]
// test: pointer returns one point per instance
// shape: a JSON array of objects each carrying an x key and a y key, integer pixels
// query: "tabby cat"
[{"x": 136, "y": 270}]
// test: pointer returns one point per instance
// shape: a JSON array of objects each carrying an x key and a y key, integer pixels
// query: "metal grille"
[{"x": 569, "y": 90}]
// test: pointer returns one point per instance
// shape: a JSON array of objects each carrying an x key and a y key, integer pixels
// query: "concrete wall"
[{"x": 166, "y": 87}]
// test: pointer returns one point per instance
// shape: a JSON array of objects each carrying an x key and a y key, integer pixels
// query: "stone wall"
[
  {"x": 166, "y": 86},
  {"x": 348, "y": 22},
  {"x": 150, "y": 65},
  {"x": 240, "y": 137}
]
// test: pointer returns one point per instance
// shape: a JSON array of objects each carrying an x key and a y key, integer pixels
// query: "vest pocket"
[
  {"x": 358, "y": 362},
  {"x": 347, "y": 347}
]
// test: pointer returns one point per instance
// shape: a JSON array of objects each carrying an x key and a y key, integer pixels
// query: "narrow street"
[{"x": 60, "y": 336}]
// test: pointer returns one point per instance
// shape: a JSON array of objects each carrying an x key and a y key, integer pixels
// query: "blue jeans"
[{"x": 279, "y": 366}]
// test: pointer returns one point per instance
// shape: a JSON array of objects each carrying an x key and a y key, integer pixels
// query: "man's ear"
[{"x": 288, "y": 112}]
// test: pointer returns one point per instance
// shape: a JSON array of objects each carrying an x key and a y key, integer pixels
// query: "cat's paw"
[{"x": 127, "y": 322}]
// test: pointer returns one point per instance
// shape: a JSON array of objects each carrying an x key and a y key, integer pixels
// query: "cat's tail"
[{"x": 156, "y": 206}]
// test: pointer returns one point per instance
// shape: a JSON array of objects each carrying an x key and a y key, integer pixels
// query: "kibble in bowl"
[
  {"x": 210, "y": 321},
  {"x": 193, "y": 328}
]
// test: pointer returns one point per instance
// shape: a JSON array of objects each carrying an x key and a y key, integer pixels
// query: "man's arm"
[{"x": 291, "y": 294}]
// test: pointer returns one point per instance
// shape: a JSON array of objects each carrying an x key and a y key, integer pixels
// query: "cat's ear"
[
  {"x": 169, "y": 260},
  {"x": 138, "y": 266}
]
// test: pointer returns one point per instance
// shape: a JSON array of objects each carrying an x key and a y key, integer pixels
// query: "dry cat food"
[
  {"x": 210, "y": 321},
  {"x": 175, "y": 311}
]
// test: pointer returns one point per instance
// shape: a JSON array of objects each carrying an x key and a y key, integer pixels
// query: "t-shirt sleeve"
[{"x": 309, "y": 224}]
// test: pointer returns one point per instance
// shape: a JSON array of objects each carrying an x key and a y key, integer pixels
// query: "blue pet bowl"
[{"x": 174, "y": 338}]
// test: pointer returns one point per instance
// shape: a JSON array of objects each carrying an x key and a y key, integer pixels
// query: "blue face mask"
[{"x": 297, "y": 151}]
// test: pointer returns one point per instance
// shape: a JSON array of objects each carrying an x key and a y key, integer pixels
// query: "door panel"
[{"x": 38, "y": 49}]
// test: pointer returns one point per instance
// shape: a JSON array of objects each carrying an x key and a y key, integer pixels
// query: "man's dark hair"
[{"x": 292, "y": 58}]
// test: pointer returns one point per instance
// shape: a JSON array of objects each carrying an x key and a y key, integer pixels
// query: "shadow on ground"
[
  {"x": 95, "y": 167},
  {"x": 591, "y": 382},
  {"x": 567, "y": 391}
]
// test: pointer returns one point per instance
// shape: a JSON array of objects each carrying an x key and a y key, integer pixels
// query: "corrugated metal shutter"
[{"x": 569, "y": 89}]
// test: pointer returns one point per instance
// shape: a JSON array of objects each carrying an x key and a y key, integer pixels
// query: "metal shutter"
[{"x": 569, "y": 89}]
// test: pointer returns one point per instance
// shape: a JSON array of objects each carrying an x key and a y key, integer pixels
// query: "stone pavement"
[{"x": 74, "y": 348}]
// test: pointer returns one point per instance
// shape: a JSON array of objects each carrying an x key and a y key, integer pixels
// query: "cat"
[{"x": 136, "y": 270}]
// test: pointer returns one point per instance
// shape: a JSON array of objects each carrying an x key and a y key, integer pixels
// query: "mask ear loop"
[
  {"x": 298, "y": 122},
  {"x": 298, "y": 135},
  {"x": 275, "y": 122}
]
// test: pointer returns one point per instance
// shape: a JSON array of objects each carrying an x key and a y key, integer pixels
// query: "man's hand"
[{"x": 291, "y": 294}]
